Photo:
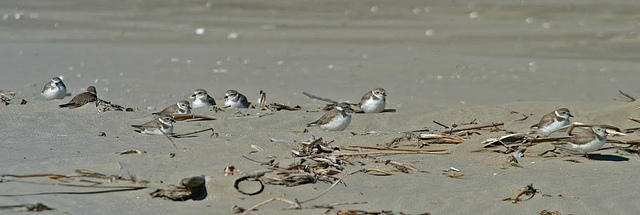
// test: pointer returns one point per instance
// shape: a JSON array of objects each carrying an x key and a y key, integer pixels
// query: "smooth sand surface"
[{"x": 449, "y": 61}]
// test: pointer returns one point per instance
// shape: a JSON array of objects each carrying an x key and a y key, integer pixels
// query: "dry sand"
[{"x": 450, "y": 61}]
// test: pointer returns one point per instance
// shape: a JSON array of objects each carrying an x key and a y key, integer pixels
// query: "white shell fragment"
[
  {"x": 233, "y": 35},
  {"x": 200, "y": 31}
]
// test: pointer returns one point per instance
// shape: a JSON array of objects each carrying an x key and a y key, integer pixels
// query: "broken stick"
[
  {"x": 178, "y": 116},
  {"x": 492, "y": 125},
  {"x": 319, "y": 98}
]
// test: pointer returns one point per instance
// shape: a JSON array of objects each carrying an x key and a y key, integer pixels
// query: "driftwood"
[
  {"x": 278, "y": 107},
  {"x": 130, "y": 151},
  {"x": 6, "y": 96},
  {"x": 528, "y": 190},
  {"x": 213, "y": 134},
  {"x": 177, "y": 116},
  {"x": 104, "y": 106},
  {"x": 37, "y": 207},
  {"x": 399, "y": 149},
  {"x": 389, "y": 153},
  {"x": 319, "y": 98},
  {"x": 357, "y": 109},
  {"x": 169, "y": 136},
  {"x": 440, "y": 124},
  {"x": 293, "y": 204},
  {"x": 548, "y": 212},
  {"x": 244, "y": 211},
  {"x": 361, "y": 212},
  {"x": 263, "y": 105},
  {"x": 631, "y": 98},
  {"x": 262, "y": 101},
  {"x": 452, "y": 172},
  {"x": 82, "y": 176},
  {"x": 492, "y": 125},
  {"x": 438, "y": 138},
  {"x": 373, "y": 171},
  {"x": 328, "y": 207}
]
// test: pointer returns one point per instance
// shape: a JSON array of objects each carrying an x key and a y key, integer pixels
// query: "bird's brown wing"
[
  {"x": 582, "y": 136},
  {"x": 151, "y": 124},
  {"x": 80, "y": 100},
  {"x": 365, "y": 97},
  {"x": 168, "y": 110},
  {"x": 546, "y": 119},
  {"x": 326, "y": 118}
]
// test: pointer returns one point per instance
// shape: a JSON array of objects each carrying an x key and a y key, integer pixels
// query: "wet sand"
[{"x": 437, "y": 63}]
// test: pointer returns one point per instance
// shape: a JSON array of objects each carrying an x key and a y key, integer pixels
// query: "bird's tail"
[{"x": 66, "y": 105}]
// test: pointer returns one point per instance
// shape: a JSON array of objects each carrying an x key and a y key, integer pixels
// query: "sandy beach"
[{"x": 452, "y": 62}]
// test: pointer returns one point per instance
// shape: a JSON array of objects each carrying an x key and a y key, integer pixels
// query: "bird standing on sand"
[
  {"x": 587, "y": 140},
  {"x": 553, "y": 121}
]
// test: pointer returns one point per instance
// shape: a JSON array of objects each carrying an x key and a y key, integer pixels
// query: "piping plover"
[
  {"x": 553, "y": 121},
  {"x": 337, "y": 119},
  {"x": 182, "y": 107},
  {"x": 587, "y": 139},
  {"x": 373, "y": 101},
  {"x": 234, "y": 99},
  {"x": 55, "y": 89},
  {"x": 201, "y": 98},
  {"x": 82, "y": 99},
  {"x": 160, "y": 126}
]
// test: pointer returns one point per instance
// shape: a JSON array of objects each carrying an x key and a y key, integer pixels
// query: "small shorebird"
[
  {"x": 82, "y": 99},
  {"x": 182, "y": 107},
  {"x": 588, "y": 139},
  {"x": 234, "y": 99},
  {"x": 337, "y": 119},
  {"x": 55, "y": 89},
  {"x": 553, "y": 121},
  {"x": 201, "y": 98},
  {"x": 161, "y": 126},
  {"x": 373, "y": 101}
]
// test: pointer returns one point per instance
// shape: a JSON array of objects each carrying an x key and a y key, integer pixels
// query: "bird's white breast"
[
  {"x": 338, "y": 123},
  {"x": 198, "y": 103},
  {"x": 233, "y": 104},
  {"x": 158, "y": 131},
  {"x": 373, "y": 106},
  {"x": 594, "y": 145},
  {"x": 554, "y": 126},
  {"x": 55, "y": 93}
]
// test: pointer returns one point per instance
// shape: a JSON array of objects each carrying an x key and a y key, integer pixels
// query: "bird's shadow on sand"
[{"x": 601, "y": 157}]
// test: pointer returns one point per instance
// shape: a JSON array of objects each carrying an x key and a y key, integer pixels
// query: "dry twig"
[
  {"x": 528, "y": 190},
  {"x": 492, "y": 125},
  {"x": 37, "y": 207},
  {"x": 178, "y": 116},
  {"x": 631, "y": 98}
]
